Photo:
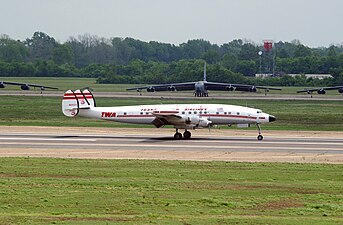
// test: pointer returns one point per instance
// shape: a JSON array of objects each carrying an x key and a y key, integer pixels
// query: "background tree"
[
  {"x": 138, "y": 61},
  {"x": 11, "y": 50},
  {"x": 41, "y": 46}
]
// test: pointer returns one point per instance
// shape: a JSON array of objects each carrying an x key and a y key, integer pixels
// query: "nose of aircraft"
[{"x": 271, "y": 118}]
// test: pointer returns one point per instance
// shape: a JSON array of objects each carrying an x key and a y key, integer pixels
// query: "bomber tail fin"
[{"x": 73, "y": 101}]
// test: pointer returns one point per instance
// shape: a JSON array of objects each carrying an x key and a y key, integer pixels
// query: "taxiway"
[{"x": 184, "y": 95}]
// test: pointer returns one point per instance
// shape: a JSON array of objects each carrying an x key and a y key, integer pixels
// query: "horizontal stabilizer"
[{"x": 70, "y": 104}]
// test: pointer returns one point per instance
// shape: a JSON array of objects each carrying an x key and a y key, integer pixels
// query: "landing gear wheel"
[
  {"x": 259, "y": 137},
  {"x": 177, "y": 135},
  {"x": 187, "y": 135}
]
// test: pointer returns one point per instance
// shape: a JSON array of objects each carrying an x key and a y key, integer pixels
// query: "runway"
[{"x": 153, "y": 144}]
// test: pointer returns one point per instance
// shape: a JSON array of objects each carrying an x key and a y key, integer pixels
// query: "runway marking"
[
  {"x": 176, "y": 146},
  {"x": 225, "y": 141},
  {"x": 47, "y": 139}
]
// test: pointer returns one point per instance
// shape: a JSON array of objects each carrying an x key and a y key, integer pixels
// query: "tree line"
[{"x": 127, "y": 60}]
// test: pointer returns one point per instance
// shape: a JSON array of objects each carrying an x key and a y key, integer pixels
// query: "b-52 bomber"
[
  {"x": 321, "y": 90},
  {"x": 201, "y": 88},
  {"x": 25, "y": 86}
]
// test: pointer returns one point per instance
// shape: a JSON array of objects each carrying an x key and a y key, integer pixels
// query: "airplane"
[
  {"x": 322, "y": 90},
  {"x": 180, "y": 116},
  {"x": 201, "y": 87},
  {"x": 25, "y": 86}
]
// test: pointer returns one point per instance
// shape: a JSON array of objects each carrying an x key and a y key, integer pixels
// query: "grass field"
[
  {"x": 70, "y": 191},
  {"x": 64, "y": 83},
  {"x": 291, "y": 115}
]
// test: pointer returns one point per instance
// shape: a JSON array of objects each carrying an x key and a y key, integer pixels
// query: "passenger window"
[
  {"x": 195, "y": 112},
  {"x": 189, "y": 112},
  {"x": 238, "y": 113},
  {"x": 217, "y": 113},
  {"x": 183, "y": 112},
  {"x": 141, "y": 113},
  {"x": 205, "y": 112},
  {"x": 225, "y": 113},
  {"x": 124, "y": 113}
]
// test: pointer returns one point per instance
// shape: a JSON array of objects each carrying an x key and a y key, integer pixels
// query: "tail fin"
[
  {"x": 89, "y": 97},
  {"x": 73, "y": 101}
]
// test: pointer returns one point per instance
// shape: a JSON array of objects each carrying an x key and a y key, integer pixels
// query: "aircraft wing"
[
  {"x": 188, "y": 86},
  {"x": 25, "y": 86},
  {"x": 309, "y": 90},
  {"x": 237, "y": 87},
  {"x": 166, "y": 118}
]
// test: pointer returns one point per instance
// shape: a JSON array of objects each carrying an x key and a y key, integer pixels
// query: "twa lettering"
[{"x": 108, "y": 114}]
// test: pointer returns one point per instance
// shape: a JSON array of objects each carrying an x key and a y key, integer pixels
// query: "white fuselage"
[{"x": 218, "y": 114}]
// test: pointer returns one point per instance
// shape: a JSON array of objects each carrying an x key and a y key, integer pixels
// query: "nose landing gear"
[{"x": 259, "y": 137}]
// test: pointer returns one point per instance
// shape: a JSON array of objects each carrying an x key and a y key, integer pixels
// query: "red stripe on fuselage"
[
  {"x": 138, "y": 116},
  {"x": 234, "y": 116},
  {"x": 203, "y": 115}
]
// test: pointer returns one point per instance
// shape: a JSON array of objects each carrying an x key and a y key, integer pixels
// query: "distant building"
[
  {"x": 313, "y": 76},
  {"x": 263, "y": 75}
]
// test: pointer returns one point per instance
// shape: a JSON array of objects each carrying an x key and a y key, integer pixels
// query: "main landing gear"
[
  {"x": 200, "y": 94},
  {"x": 186, "y": 134},
  {"x": 259, "y": 137}
]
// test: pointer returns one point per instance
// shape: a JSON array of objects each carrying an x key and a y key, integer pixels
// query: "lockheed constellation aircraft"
[
  {"x": 180, "y": 116},
  {"x": 201, "y": 88}
]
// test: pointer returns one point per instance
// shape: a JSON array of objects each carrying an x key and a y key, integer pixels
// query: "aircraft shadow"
[{"x": 155, "y": 139}]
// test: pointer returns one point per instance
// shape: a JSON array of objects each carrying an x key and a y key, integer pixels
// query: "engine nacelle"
[
  {"x": 340, "y": 90},
  {"x": 230, "y": 88},
  {"x": 150, "y": 89},
  {"x": 252, "y": 89},
  {"x": 194, "y": 120},
  {"x": 2, "y": 85},
  {"x": 321, "y": 92},
  {"x": 171, "y": 88},
  {"x": 204, "y": 122},
  {"x": 197, "y": 121},
  {"x": 25, "y": 87}
]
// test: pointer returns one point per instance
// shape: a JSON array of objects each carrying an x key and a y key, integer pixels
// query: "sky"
[{"x": 316, "y": 23}]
